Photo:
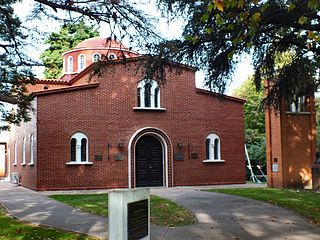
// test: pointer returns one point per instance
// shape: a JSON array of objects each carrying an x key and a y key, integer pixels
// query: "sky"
[{"x": 168, "y": 30}]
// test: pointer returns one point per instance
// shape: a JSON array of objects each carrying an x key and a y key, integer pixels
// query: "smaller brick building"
[
  {"x": 291, "y": 143},
  {"x": 118, "y": 130}
]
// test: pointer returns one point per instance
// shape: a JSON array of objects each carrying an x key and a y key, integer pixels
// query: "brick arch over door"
[{"x": 167, "y": 155}]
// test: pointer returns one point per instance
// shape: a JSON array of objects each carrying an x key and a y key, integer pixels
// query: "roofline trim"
[
  {"x": 207, "y": 92},
  {"x": 66, "y": 89}
]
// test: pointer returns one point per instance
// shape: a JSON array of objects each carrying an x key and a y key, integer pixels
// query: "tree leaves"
[{"x": 68, "y": 37}]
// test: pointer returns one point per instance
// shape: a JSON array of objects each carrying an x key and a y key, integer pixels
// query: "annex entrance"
[{"x": 149, "y": 162}]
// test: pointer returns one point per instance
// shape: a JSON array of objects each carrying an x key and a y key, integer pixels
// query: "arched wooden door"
[{"x": 149, "y": 162}]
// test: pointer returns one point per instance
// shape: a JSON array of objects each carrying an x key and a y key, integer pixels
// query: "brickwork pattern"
[{"x": 106, "y": 115}]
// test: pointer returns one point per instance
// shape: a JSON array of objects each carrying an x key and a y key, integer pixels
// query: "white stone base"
[{"x": 118, "y": 211}]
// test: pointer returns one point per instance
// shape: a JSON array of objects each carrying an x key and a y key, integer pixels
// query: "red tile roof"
[{"x": 99, "y": 42}]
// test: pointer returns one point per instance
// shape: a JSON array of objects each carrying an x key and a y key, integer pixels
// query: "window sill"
[
  {"x": 213, "y": 161},
  {"x": 148, "y": 109},
  {"x": 79, "y": 163},
  {"x": 14, "y": 164},
  {"x": 23, "y": 164},
  {"x": 298, "y": 113},
  {"x": 30, "y": 164}
]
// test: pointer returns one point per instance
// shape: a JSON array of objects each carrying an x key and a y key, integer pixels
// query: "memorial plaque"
[
  {"x": 275, "y": 167},
  {"x": 179, "y": 156},
  {"x": 194, "y": 155},
  {"x": 138, "y": 219},
  {"x": 119, "y": 157},
  {"x": 98, "y": 157}
]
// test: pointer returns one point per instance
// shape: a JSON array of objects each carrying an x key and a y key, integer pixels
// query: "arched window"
[
  {"x": 96, "y": 57},
  {"x": 79, "y": 149},
  {"x": 73, "y": 147},
  {"x": 213, "y": 147},
  {"x": 156, "y": 97},
  {"x": 112, "y": 56},
  {"x": 139, "y": 96},
  {"x": 31, "y": 150},
  {"x": 148, "y": 94},
  {"x": 81, "y": 62},
  {"x": 23, "y": 152},
  {"x": 70, "y": 64},
  {"x": 15, "y": 153},
  {"x": 298, "y": 104}
]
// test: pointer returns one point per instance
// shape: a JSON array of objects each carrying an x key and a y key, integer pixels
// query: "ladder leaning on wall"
[{"x": 253, "y": 177}]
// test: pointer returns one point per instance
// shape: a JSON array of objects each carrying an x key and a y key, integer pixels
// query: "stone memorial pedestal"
[{"x": 129, "y": 214}]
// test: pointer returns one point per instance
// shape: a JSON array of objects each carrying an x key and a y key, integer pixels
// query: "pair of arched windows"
[
  {"x": 79, "y": 148},
  {"x": 148, "y": 94},
  {"x": 81, "y": 63},
  {"x": 24, "y": 149},
  {"x": 213, "y": 147}
]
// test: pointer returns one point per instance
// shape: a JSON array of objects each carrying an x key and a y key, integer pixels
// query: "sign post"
[{"x": 129, "y": 214}]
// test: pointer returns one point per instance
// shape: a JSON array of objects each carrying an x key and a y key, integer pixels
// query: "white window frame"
[
  {"x": 141, "y": 98},
  {"x": 212, "y": 158},
  {"x": 70, "y": 64},
  {"x": 81, "y": 62},
  {"x": 95, "y": 55},
  {"x": 31, "y": 150},
  {"x": 23, "y": 152},
  {"x": 79, "y": 136},
  {"x": 15, "y": 153}
]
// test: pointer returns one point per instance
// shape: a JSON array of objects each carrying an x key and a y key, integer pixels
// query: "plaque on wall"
[
  {"x": 275, "y": 167},
  {"x": 179, "y": 156},
  {"x": 119, "y": 157},
  {"x": 98, "y": 157},
  {"x": 138, "y": 223},
  {"x": 194, "y": 155}
]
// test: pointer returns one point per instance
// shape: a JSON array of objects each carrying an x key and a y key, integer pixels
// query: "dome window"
[
  {"x": 70, "y": 64},
  {"x": 112, "y": 56},
  {"x": 81, "y": 62},
  {"x": 96, "y": 57}
]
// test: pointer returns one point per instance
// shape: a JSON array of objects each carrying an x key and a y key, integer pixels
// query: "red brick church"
[{"x": 118, "y": 130}]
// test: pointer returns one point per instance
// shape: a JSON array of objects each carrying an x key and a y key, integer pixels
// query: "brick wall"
[
  {"x": 106, "y": 116},
  {"x": 291, "y": 143},
  {"x": 19, "y": 135}
]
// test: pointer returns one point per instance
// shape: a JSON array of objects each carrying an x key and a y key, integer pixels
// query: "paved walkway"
[{"x": 218, "y": 216}]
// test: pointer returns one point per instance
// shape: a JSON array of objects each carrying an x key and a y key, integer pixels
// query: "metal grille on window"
[
  {"x": 156, "y": 96},
  {"x": 216, "y": 150},
  {"x": 147, "y": 95},
  {"x": 208, "y": 148},
  {"x": 83, "y": 150},
  {"x": 73, "y": 150},
  {"x": 139, "y": 97}
]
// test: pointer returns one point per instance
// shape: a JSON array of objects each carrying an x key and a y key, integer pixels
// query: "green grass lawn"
[
  {"x": 303, "y": 202},
  {"x": 12, "y": 229},
  {"x": 163, "y": 212}
]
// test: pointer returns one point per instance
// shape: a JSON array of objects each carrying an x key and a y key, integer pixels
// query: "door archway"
[{"x": 149, "y": 162}]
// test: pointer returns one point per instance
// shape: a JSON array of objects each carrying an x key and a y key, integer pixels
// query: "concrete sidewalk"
[{"x": 218, "y": 216}]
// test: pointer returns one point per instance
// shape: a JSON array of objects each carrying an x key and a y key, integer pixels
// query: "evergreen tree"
[{"x": 67, "y": 38}]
